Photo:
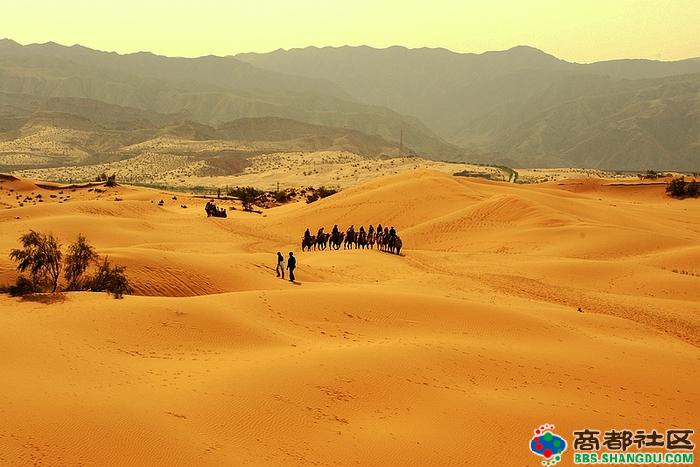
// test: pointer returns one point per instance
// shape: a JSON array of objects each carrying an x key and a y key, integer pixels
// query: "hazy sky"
[{"x": 576, "y": 30}]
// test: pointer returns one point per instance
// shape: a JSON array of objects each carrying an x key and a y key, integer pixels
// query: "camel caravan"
[{"x": 385, "y": 238}]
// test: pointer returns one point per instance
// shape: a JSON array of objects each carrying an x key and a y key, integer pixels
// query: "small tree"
[
  {"x": 110, "y": 279},
  {"x": 692, "y": 189},
  {"x": 41, "y": 255},
  {"x": 247, "y": 194},
  {"x": 80, "y": 255}
]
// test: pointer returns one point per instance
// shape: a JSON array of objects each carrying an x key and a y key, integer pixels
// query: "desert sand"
[{"x": 448, "y": 355}]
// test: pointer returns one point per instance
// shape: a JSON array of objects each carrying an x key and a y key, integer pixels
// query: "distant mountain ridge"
[
  {"x": 489, "y": 103},
  {"x": 520, "y": 107},
  {"x": 208, "y": 90}
]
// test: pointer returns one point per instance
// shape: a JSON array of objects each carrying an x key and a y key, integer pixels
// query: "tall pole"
[{"x": 401, "y": 143}]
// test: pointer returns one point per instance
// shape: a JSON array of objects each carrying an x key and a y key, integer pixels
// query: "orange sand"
[{"x": 449, "y": 355}]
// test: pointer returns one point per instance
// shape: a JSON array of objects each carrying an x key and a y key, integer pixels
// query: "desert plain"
[{"x": 574, "y": 302}]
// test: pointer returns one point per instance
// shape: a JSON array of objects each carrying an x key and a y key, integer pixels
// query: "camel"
[
  {"x": 349, "y": 239},
  {"x": 308, "y": 242},
  {"x": 370, "y": 240},
  {"x": 322, "y": 241},
  {"x": 337, "y": 240}
]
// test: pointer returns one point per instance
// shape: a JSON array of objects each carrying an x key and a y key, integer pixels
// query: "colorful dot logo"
[{"x": 547, "y": 445}]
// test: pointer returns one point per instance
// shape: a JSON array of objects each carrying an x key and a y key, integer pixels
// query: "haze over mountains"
[{"x": 520, "y": 107}]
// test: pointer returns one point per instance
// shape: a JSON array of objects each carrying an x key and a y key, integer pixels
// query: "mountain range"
[{"x": 520, "y": 107}]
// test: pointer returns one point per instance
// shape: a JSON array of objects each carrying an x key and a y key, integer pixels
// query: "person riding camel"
[
  {"x": 319, "y": 234},
  {"x": 335, "y": 230},
  {"x": 362, "y": 229},
  {"x": 380, "y": 230},
  {"x": 392, "y": 232},
  {"x": 351, "y": 229},
  {"x": 307, "y": 234},
  {"x": 370, "y": 230}
]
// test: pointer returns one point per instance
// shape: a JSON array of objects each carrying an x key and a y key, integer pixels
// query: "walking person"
[
  {"x": 291, "y": 265},
  {"x": 280, "y": 265}
]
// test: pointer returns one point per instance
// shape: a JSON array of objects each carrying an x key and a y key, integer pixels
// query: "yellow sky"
[{"x": 575, "y": 30}]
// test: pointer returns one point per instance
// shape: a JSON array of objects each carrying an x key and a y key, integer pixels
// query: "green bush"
[
  {"x": 80, "y": 255},
  {"x": 247, "y": 194},
  {"x": 41, "y": 255},
  {"x": 110, "y": 279}
]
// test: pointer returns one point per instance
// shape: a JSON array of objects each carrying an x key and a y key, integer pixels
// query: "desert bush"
[
  {"x": 247, "y": 194},
  {"x": 324, "y": 192},
  {"x": 41, "y": 255},
  {"x": 80, "y": 255},
  {"x": 676, "y": 187},
  {"x": 23, "y": 286},
  {"x": 282, "y": 196},
  {"x": 110, "y": 279},
  {"x": 317, "y": 193},
  {"x": 679, "y": 188}
]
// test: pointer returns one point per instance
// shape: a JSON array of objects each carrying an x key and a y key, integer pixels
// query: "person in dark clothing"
[
  {"x": 370, "y": 230},
  {"x": 335, "y": 230},
  {"x": 280, "y": 265},
  {"x": 392, "y": 232},
  {"x": 380, "y": 230},
  {"x": 291, "y": 265},
  {"x": 307, "y": 234}
]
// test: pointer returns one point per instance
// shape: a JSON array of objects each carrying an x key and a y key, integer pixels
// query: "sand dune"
[{"x": 448, "y": 355}]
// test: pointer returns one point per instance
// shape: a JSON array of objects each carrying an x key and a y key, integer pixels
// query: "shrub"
[
  {"x": 23, "y": 286},
  {"x": 41, "y": 255},
  {"x": 247, "y": 194},
  {"x": 282, "y": 196},
  {"x": 317, "y": 193},
  {"x": 679, "y": 188},
  {"x": 324, "y": 192},
  {"x": 80, "y": 255},
  {"x": 111, "y": 180},
  {"x": 676, "y": 187},
  {"x": 110, "y": 279}
]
